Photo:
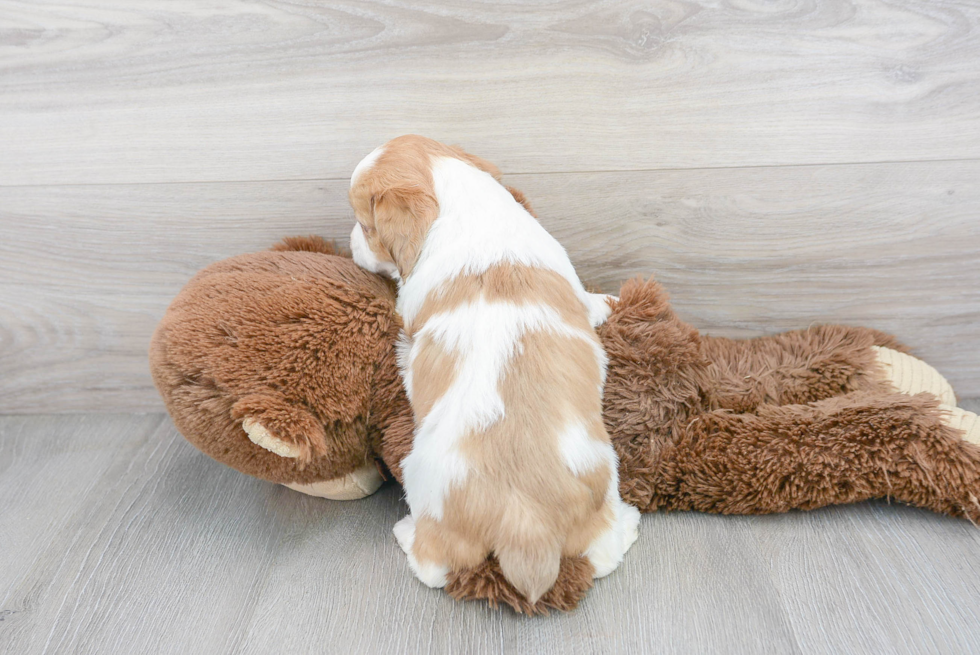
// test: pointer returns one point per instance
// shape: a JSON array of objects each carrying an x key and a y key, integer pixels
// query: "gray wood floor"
[{"x": 116, "y": 536}]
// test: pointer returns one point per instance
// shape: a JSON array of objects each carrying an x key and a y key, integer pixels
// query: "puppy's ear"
[
  {"x": 487, "y": 167},
  {"x": 402, "y": 217},
  {"x": 482, "y": 164},
  {"x": 519, "y": 197}
]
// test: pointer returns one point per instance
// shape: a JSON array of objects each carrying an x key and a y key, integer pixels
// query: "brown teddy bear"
[{"x": 281, "y": 365}]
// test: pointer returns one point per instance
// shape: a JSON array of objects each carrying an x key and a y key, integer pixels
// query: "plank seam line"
[{"x": 512, "y": 173}]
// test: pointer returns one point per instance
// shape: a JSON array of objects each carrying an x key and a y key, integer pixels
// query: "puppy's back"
[{"x": 541, "y": 467}]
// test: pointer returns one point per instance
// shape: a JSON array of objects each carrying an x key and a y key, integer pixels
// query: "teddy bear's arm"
[{"x": 793, "y": 367}]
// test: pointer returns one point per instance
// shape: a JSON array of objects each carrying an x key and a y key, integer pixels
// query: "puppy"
[{"x": 502, "y": 367}]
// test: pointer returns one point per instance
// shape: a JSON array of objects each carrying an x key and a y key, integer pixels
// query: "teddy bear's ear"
[{"x": 402, "y": 217}]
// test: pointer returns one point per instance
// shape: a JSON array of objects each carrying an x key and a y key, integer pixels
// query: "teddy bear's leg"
[
  {"x": 794, "y": 367},
  {"x": 855, "y": 447},
  {"x": 911, "y": 375},
  {"x": 279, "y": 426},
  {"x": 965, "y": 421}
]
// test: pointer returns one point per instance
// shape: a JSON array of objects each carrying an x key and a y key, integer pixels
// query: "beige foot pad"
[
  {"x": 358, "y": 484},
  {"x": 910, "y": 375},
  {"x": 261, "y": 437},
  {"x": 963, "y": 420}
]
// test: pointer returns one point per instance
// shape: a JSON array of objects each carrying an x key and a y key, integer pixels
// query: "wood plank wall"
[{"x": 774, "y": 163}]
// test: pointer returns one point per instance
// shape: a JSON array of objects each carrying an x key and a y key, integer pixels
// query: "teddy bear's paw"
[
  {"x": 911, "y": 376},
  {"x": 430, "y": 573},
  {"x": 261, "y": 437},
  {"x": 961, "y": 419},
  {"x": 607, "y": 551},
  {"x": 353, "y": 486}
]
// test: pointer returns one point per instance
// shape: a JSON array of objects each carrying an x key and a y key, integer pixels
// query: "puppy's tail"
[
  {"x": 529, "y": 554},
  {"x": 531, "y": 569}
]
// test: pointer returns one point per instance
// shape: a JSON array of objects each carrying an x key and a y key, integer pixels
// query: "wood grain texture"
[
  {"x": 186, "y": 91},
  {"x": 875, "y": 547},
  {"x": 86, "y": 272},
  {"x": 117, "y": 536}
]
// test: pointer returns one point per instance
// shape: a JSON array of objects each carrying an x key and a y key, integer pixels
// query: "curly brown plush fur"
[
  {"x": 305, "y": 339},
  {"x": 299, "y": 339},
  {"x": 487, "y": 582},
  {"x": 794, "y": 421}
]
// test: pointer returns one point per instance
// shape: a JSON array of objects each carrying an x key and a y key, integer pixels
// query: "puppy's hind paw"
[
  {"x": 607, "y": 551},
  {"x": 599, "y": 307},
  {"x": 430, "y": 573}
]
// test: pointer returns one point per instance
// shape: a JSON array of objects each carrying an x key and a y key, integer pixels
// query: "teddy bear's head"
[{"x": 300, "y": 342}]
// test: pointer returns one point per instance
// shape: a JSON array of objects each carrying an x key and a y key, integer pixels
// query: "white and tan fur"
[{"x": 502, "y": 367}]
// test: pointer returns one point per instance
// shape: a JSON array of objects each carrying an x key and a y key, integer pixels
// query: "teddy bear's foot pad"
[
  {"x": 911, "y": 376},
  {"x": 355, "y": 485},
  {"x": 961, "y": 419}
]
